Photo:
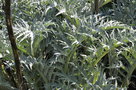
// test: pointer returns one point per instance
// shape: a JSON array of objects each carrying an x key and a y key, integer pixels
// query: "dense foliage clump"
[{"x": 66, "y": 44}]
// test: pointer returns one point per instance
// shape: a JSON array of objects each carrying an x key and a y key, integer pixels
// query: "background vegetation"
[{"x": 70, "y": 45}]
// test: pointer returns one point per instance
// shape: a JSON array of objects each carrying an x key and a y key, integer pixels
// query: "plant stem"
[
  {"x": 7, "y": 9},
  {"x": 96, "y": 7}
]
